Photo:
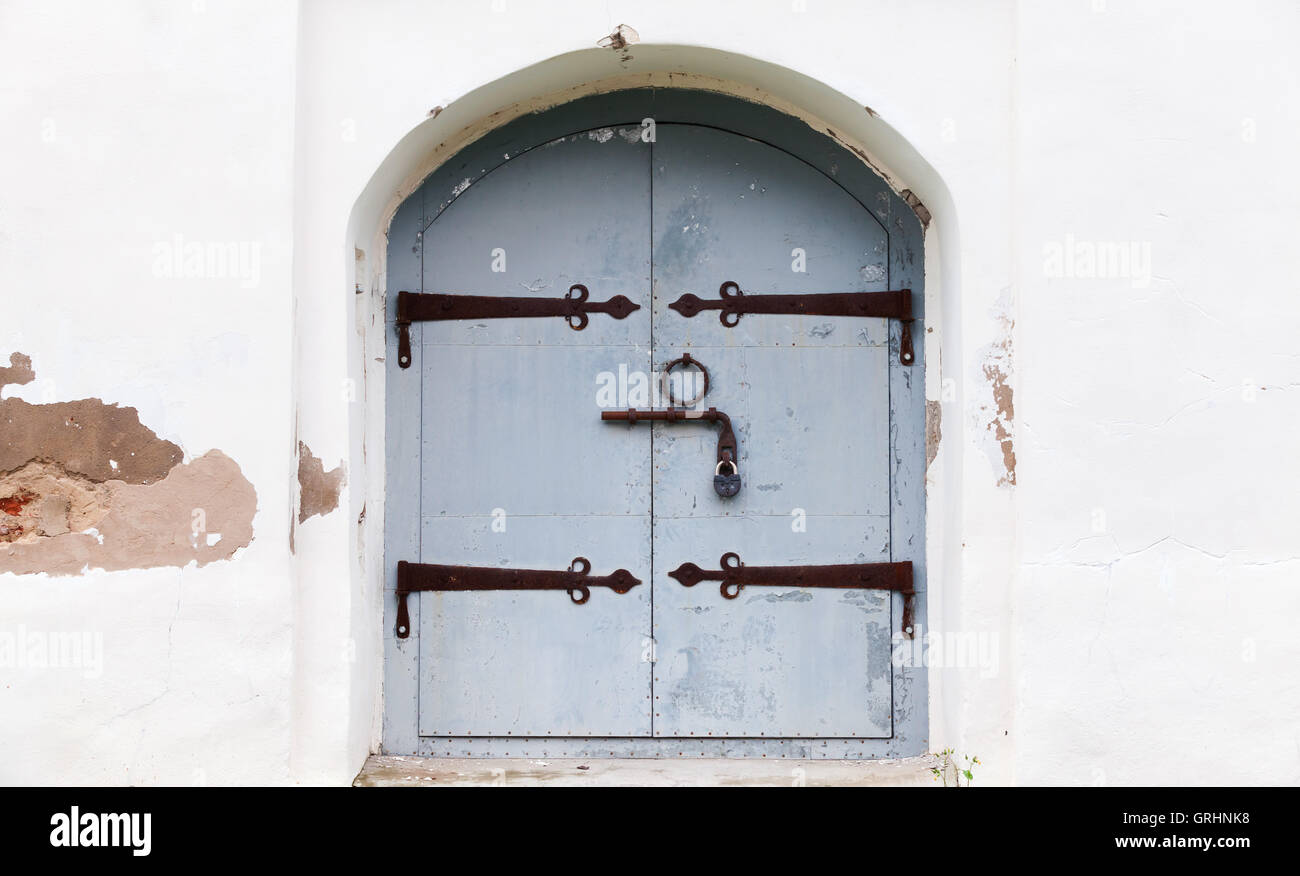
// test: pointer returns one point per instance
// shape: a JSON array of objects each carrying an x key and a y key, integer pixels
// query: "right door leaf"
[{"x": 809, "y": 398}]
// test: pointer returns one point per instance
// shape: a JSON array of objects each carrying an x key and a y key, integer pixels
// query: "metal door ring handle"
[{"x": 666, "y": 384}]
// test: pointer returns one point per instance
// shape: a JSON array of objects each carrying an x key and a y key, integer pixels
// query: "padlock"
[{"x": 726, "y": 485}]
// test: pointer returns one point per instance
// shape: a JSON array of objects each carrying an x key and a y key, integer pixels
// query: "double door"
[{"x": 509, "y": 465}]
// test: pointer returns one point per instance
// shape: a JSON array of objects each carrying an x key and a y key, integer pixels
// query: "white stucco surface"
[{"x": 1136, "y": 571}]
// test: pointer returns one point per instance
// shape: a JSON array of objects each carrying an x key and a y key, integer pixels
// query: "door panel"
[
  {"x": 575, "y": 210},
  {"x": 531, "y": 663},
  {"x": 515, "y": 469},
  {"x": 517, "y": 428},
  {"x": 809, "y": 400},
  {"x": 774, "y": 661},
  {"x": 812, "y": 434},
  {"x": 731, "y": 208}
]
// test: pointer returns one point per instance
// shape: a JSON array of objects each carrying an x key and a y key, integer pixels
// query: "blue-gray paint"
[
  {"x": 502, "y": 414},
  {"x": 811, "y": 409},
  {"x": 510, "y": 425}
]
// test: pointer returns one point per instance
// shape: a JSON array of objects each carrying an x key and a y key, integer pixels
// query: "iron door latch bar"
[
  {"x": 728, "y": 449},
  {"x": 431, "y": 307},
  {"x": 736, "y": 576},
  {"x": 413, "y": 577},
  {"x": 734, "y": 303}
]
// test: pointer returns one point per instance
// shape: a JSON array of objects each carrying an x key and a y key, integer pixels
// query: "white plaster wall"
[
  {"x": 1157, "y": 596},
  {"x": 1151, "y": 649},
  {"x": 124, "y": 125}
]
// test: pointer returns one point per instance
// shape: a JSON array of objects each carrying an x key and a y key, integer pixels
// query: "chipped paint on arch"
[{"x": 85, "y": 485}]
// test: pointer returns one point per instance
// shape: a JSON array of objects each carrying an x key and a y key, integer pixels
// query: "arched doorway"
[{"x": 498, "y": 457}]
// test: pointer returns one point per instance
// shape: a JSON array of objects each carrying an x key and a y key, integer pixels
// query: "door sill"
[{"x": 390, "y": 771}]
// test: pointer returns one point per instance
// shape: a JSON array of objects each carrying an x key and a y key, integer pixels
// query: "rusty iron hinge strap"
[
  {"x": 734, "y": 303},
  {"x": 413, "y": 577},
  {"x": 735, "y": 576},
  {"x": 436, "y": 306}
]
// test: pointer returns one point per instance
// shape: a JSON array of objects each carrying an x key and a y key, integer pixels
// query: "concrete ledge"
[{"x": 383, "y": 771}]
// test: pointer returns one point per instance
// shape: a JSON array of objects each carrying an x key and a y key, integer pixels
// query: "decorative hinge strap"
[
  {"x": 431, "y": 307},
  {"x": 733, "y": 303},
  {"x": 576, "y": 580},
  {"x": 735, "y": 576}
]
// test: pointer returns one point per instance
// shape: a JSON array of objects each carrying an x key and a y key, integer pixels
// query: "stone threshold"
[{"x": 390, "y": 771}]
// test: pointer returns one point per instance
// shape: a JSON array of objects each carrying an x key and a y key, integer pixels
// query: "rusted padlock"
[{"x": 726, "y": 485}]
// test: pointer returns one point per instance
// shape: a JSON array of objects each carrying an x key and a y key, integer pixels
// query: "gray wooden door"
[{"x": 498, "y": 457}]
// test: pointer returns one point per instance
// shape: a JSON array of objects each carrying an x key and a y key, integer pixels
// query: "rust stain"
[
  {"x": 13, "y": 505},
  {"x": 318, "y": 489},
  {"x": 89, "y": 486}
]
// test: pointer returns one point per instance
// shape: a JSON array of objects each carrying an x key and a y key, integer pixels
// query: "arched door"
[{"x": 523, "y": 452}]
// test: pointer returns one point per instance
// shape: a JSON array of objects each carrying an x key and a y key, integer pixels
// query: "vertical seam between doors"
[
  {"x": 891, "y": 455},
  {"x": 654, "y": 640},
  {"x": 419, "y": 538}
]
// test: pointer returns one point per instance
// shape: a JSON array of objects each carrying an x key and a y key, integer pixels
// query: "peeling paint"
[
  {"x": 858, "y": 151},
  {"x": 792, "y": 596},
  {"x": 318, "y": 489},
  {"x": 19, "y": 371},
  {"x": 67, "y": 502},
  {"x": 620, "y": 39},
  {"x": 84, "y": 484},
  {"x": 89, "y": 438},
  {"x": 922, "y": 212},
  {"x": 1002, "y": 398},
  {"x": 996, "y": 415},
  {"x": 201, "y": 512},
  {"x": 933, "y": 430}
]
